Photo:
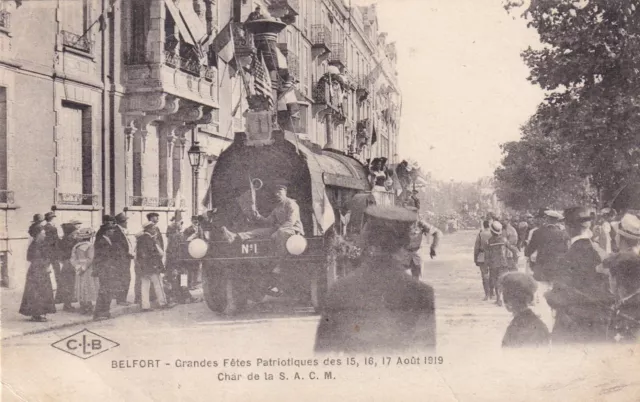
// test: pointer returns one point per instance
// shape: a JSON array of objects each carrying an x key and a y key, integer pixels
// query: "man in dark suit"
[
  {"x": 379, "y": 308},
  {"x": 122, "y": 256},
  {"x": 550, "y": 242},
  {"x": 580, "y": 294}
]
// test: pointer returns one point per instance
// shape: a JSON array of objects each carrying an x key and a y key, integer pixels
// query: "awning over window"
[
  {"x": 194, "y": 24},
  {"x": 182, "y": 26}
]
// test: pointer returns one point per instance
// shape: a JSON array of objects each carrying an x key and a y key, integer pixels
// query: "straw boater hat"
[
  {"x": 628, "y": 227},
  {"x": 496, "y": 227},
  {"x": 556, "y": 215}
]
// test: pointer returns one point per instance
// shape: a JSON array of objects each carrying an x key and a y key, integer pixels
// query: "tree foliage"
[{"x": 589, "y": 64}]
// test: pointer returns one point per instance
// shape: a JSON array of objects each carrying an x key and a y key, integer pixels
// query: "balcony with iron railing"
[
  {"x": 5, "y": 20},
  {"x": 338, "y": 56},
  {"x": 171, "y": 59},
  {"x": 321, "y": 37},
  {"x": 77, "y": 42},
  {"x": 77, "y": 199},
  {"x": 140, "y": 201}
]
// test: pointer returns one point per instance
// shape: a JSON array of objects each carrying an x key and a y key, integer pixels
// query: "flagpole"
[{"x": 240, "y": 68}]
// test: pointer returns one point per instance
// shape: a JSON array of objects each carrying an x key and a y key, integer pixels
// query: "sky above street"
[{"x": 463, "y": 81}]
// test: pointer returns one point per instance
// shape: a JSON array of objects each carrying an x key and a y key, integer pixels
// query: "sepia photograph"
[{"x": 320, "y": 200}]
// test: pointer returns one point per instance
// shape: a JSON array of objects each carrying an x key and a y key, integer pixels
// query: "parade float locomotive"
[{"x": 325, "y": 184}]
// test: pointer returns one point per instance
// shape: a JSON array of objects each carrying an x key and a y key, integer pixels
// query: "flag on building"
[
  {"x": 223, "y": 45},
  {"x": 262, "y": 80}
]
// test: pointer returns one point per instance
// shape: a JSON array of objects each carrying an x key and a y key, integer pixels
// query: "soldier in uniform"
[
  {"x": 418, "y": 229},
  {"x": 379, "y": 308},
  {"x": 624, "y": 271},
  {"x": 580, "y": 295}
]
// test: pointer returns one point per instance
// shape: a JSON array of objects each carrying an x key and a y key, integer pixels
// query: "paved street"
[{"x": 474, "y": 368}]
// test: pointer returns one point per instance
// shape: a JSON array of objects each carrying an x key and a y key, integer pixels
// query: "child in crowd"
[{"x": 526, "y": 328}]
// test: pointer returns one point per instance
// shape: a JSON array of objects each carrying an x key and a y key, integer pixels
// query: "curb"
[{"x": 115, "y": 312}]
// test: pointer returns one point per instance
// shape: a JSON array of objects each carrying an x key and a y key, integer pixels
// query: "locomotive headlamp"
[
  {"x": 296, "y": 245},
  {"x": 198, "y": 248}
]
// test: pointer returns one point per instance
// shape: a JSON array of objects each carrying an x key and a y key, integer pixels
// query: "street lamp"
[{"x": 195, "y": 160}]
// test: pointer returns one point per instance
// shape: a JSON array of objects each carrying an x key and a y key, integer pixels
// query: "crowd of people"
[
  {"x": 586, "y": 264},
  {"x": 93, "y": 269}
]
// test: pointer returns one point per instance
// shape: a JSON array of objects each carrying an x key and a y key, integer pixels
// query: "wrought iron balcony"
[
  {"x": 75, "y": 41},
  {"x": 338, "y": 56},
  {"x": 138, "y": 201},
  {"x": 7, "y": 197},
  {"x": 77, "y": 199},
  {"x": 321, "y": 37},
  {"x": 5, "y": 20},
  {"x": 209, "y": 73}
]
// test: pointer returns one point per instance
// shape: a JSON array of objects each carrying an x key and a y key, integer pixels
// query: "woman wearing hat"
[
  {"x": 624, "y": 271},
  {"x": 37, "y": 299}
]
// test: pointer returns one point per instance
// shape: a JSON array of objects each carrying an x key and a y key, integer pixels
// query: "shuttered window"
[
  {"x": 74, "y": 15},
  {"x": 70, "y": 150}
]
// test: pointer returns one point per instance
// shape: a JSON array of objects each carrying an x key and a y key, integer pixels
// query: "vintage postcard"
[{"x": 320, "y": 200}]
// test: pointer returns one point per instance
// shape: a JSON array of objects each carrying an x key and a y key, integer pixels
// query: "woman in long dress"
[
  {"x": 37, "y": 299},
  {"x": 82, "y": 261}
]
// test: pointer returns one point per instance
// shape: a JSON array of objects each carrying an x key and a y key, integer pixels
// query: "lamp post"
[{"x": 195, "y": 159}]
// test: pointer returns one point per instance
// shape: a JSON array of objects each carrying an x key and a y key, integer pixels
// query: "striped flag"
[
  {"x": 223, "y": 44},
  {"x": 262, "y": 81}
]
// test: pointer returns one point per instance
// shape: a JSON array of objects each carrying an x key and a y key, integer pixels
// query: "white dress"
[{"x": 86, "y": 283}]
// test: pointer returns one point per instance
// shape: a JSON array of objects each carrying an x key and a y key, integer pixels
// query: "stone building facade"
[{"x": 101, "y": 99}]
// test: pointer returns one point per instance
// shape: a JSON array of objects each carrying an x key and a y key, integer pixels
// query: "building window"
[
  {"x": 304, "y": 70},
  {"x": 74, "y": 24},
  {"x": 74, "y": 160},
  {"x": 384, "y": 147},
  {"x": 139, "y": 27}
]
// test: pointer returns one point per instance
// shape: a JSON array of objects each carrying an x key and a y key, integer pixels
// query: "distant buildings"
[{"x": 99, "y": 100}]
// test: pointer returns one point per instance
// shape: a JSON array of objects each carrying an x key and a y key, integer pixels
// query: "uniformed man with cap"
[
  {"x": 550, "y": 242},
  {"x": 624, "y": 271},
  {"x": 580, "y": 295},
  {"x": 283, "y": 222},
  {"x": 379, "y": 308}
]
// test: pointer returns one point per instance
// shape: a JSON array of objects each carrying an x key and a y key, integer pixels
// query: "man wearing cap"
[
  {"x": 379, "y": 308},
  {"x": 580, "y": 295},
  {"x": 123, "y": 253},
  {"x": 195, "y": 231},
  {"x": 479, "y": 254},
  {"x": 623, "y": 268},
  {"x": 418, "y": 229},
  {"x": 154, "y": 218},
  {"x": 550, "y": 242},
  {"x": 284, "y": 221},
  {"x": 526, "y": 329},
  {"x": 499, "y": 255},
  {"x": 51, "y": 238},
  {"x": 149, "y": 261}
]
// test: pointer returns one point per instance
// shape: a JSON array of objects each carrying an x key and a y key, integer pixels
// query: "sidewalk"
[{"x": 13, "y": 324}]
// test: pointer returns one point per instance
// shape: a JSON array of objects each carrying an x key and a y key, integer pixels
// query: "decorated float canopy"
[{"x": 315, "y": 178}]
